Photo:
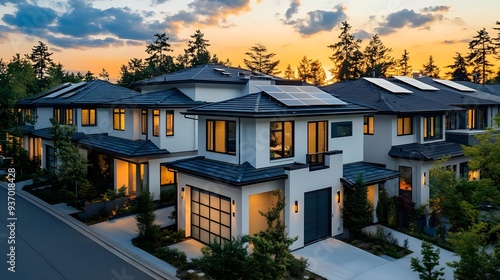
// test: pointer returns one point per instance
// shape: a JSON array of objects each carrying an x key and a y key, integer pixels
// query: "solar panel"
[
  {"x": 65, "y": 90},
  {"x": 454, "y": 85},
  {"x": 387, "y": 85},
  {"x": 415, "y": 83},
  {"x": 300, "y": 95}
]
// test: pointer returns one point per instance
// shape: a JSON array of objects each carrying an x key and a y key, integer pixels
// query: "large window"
[
  {"x": 50, "y": 160},
  {"x": 88, "y": 117},
  {"x": 167, "y": 176},
  {"x": 476, "y": 119},
  {"x": 119, "y": 119},
  {"x": 317, "y": 137},
  {"x": 405, "y": 181},
  {"x": 433, "y": 127},
  {"x": 144, "y": 121},
  {"x": 341, "y": 129},
  {"x": 405, "y": 126},
  {"x": 281, "y": 139},
  {"x": 368, "y": 125},
  {"x": 210, "y": 216},
  {"x": 64, "y": 116},
  {"x": 221, "y": 136},
  {"x": 170, "y": 123},
  {"x": 156, "y": 122}
]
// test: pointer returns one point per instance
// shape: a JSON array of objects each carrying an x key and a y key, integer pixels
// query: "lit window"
[
  {"x": 88, "y": 117},
  {"x": 119, "y": 119},
  {"x": 69, "y": 117},
  {"x": 368, "y": 125},
  {"x": 156, "y": 122},
  {"x": 64, "y": 116},
  {"x": 405, "y": 126},
  {"x": 432, "y": 127},
  {"x": 166, "y": 176},
  {"x": 221, "y": 136},
  {"x": 405, "y": 180},
  {"x": 144, "y": 121},
  {"x": 281, "y": 140},
  {"x": 170, "y": 123}
]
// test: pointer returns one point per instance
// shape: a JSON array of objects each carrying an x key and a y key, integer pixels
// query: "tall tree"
[
  {"x": 89, "y": 76},
  {"x": 458, "y": 68},
  {"x": 304, "y": 69},
  {"x": 377, "y": 59},
  {"x": 430, "y": 69},
  {"x": 260, "y": 60},
  {"x": 496, "y": 40},
  {"x": 198, "y": 49},
  {"x": 41, "y": 61},
  {"x": 104, "y": 75},
  {"x": 159, "y": 62},
  {"x": 289, "y": 73},
  {"x": 403, "y": 63},
  {"x": 357, "y": 210},
  {"x": 132, "y": 72},
  {"x": 318, "y": 75},
  {"x": 480, "y": 48},
  {"x": 346, "y": 56}
]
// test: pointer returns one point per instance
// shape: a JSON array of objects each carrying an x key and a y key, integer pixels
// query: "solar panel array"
[
  {"x": 415, "y": 83},
  {"x": 65, "y": 90},
  {"x": 387, "y": 85},
  {"x": 300, "y": 95},
  {"x": 454, "y": 85}
]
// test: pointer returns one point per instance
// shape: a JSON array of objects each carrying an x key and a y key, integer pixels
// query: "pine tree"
[
  {"x": 357, "y": 210},
  {"x": 377, "y": 58},
  {"x": 289, "y": 73},
  {"x": 104, "y": 75},
  {"x": 260, "y": 60},
  {"x": 197, "y": 50},
  {"x": 41, "y": 62},
  {"x": 459, "y": 68},
  {"x": 145, "y": 218},
  {"x": 346, "y": 56},
  {"x": 304, "y": 69},
  {"x": 496, "y": 40},
  {"x": 403, "y": 63},
  {"x": 430, "y": 259},
  {"x": 430, "y": 69},
  {"x": 159, "y": 62},
  {"x": 480, "y": 48},
  {"x": 89, "y": 76},
  {"x": 318, "y": 76}
]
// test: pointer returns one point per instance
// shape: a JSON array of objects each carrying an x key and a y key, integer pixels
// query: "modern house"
[
  {"x": 297, "y": 139},
  {"x": 417, "y": 122}
]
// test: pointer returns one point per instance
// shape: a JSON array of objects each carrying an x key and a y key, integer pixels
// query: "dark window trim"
[
  {"x": 156, "y": 134},
  {"x": 403, "y": 126},
  {"x": 317, "y": 133},
  {"x": 401, "y": 176},
  {"x": 171, "y": 113},
  {"x": 119, "y": 112},
  {"x": 214, "y": 139},
  {"x": 427, "y": 129},
  {"x": 144, "y": 121},
  {"x": 175, "y": 176},
  {"x": 366, "y": 123},
  {"x": 95, "y": 116},
  {"x": 283, "y": 150},
  {"x": 336, "y": 125}
]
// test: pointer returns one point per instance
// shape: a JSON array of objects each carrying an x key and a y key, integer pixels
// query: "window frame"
[
  {"x": 283, "y": 151},
  {"x": 369, "y": 125},
  {"x": 156, "y": 123},
  {"x": 162, "y": 183},
  {"x": 336, "y": 125},
  {"x": 316, "y": 131},
  {"x": 89, "y": 117},
  {"x": 119, "y": 119},
  {"x": 213, "y": 134},
  {"x": 169, "y": 126},
  {"x": 430, "y": 130},
  {"x": 144, "y": 121},
  {"x": 403, "y": 133},
  {"x": 405, "y": 170}
]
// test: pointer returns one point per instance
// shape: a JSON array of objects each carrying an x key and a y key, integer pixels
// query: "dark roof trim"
[{"x": 290, "y": 112}]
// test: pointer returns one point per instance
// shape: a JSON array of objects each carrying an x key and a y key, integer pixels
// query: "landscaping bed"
[{"x": 381, "y": 243}]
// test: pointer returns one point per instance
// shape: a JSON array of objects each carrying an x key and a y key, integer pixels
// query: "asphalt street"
[{"x": 48, "y": 248}]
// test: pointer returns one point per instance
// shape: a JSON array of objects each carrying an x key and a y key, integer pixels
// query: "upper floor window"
[
  {"x": 63, "y": 116},
  {"x": 341, "y": 129},
  {"x": 144, "y": 121},
  {"x": 433, "y": 127},
  {"x": 476, "y": 119},
  {"x": 88, "y": 117},
  {"x": 170, "y": 123},
  {"x": 405, "y": 126},
  {"x": 221, "y": 136},
  {"x": 281, "y": 139},
  {"x": 119, "y": 119},
  {"x": 156, "y": 122},
  {"x": 368, "y": 125}
]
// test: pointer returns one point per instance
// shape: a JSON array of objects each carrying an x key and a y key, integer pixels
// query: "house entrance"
[
  {"x": 210, "y": 216},
  {"x": 317, "y": 215}
]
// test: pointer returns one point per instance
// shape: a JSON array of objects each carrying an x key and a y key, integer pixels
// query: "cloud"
[
  {"x": 293, "y": 9},
  {"x": 319, "y": 20},
  {"x": 361, "y": 34},
  {"x": 30, "y": 17},
  {"x": 434, "y": 9},
  {"x": 158, "y": 2},
  {"x": 83, "y": 43},
  {"x": 451, "y": 42},
  {"x": 210, "y": 12},
  {"x": 411, "y": 19}
]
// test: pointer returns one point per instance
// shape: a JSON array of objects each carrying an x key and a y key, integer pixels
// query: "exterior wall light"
[
  {"x": 338, "y": 196},
  {"x": 182, "y": 193},
  {"x": 296, "y": 206},
  {"x": 234, "y": 209},
  {"x": 425, "y": 178}
]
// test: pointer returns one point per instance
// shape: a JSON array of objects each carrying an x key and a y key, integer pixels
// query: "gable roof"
[
  {"x": 228, "y": 173},
  {"x": 428, "y": 151},
  {"x": 93, "y": 93},
  {"x": 262, "y": 105},
  {"x": 159, "y": 99},
  {"x": 371, "y": 173},
  {"x": 207, "y": 73}
]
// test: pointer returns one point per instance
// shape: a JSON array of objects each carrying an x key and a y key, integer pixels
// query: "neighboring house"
[
  {"x": 297, "y": 139},
  {"x": 417, "y": 122}
]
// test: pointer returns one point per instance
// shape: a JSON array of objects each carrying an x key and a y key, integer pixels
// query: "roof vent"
[
  {"x": 219, "y": 70},
  {"x": 225, "y": 74}
]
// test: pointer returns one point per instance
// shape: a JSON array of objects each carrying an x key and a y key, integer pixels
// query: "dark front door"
[{"x": 317, "y": 215}]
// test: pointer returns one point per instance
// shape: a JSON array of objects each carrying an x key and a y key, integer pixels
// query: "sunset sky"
[{"x": 95, "y": 34}]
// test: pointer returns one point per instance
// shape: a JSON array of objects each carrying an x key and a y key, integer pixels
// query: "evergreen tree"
[
  {"x": 403, "y": 63},
  {"x": 377, "y": 59},
  {"x": 133, "y": 72},
  {"x": 289, "y": 73},
  {"x": 182, "y": 61},
  {"x": 480, "y": 48},
  {"x": 41, "y": 61},
  {"x": 260, "y": 60},
  {"x": 197, "y": 50},
  {"x": 55, "y": 74},
  {"x": 357, "y": 210},
  {"x": 304, "y": 69},
  {"x": 318, "y": 76},
  {"x": 496, "y": 40},
  {"x": 89, "y": 76},
  {"x": 146, "y": 216},
  {"x": 459, "y": 69},
  {"x": 159, "y": 62},
  {"x": 346, "y": 56},
  {"x": 430, "y": 259},
  {"x": 430, "y": 69},
  {"x": 104, "y": 75}
]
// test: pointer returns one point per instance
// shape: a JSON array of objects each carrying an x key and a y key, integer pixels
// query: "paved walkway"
[{"x": 337, "y": 260}]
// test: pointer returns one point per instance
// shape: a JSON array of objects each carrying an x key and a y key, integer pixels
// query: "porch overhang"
[
  {"x": 426, "y": 152},
  {"x": 371, "y": 173}
]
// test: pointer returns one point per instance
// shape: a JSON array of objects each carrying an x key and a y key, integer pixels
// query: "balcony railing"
[{"x": 316, "y": 161}]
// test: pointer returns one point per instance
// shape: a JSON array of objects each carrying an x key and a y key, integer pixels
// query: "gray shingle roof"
[
  {"x": 120, "y": 146},
  {"x": 207, "y": 73},
  {"x": 428, "y": 151},
  {"x": 263, "y": 105},
  {"x": 371, "y": 173},
  {"x": 234, "y": 174},
  {"x": 159, "y": 99},
  {"x": 44, "y": 133}
]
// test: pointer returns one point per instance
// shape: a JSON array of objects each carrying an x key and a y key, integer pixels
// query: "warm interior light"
[
  {"x": 234, "y": 208},
  {"x": 182, "y": 193},
  {"x": 338, "y": 196},
  {"x": 296, "y": 207},
  {"x": 425, "y": 178}
]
